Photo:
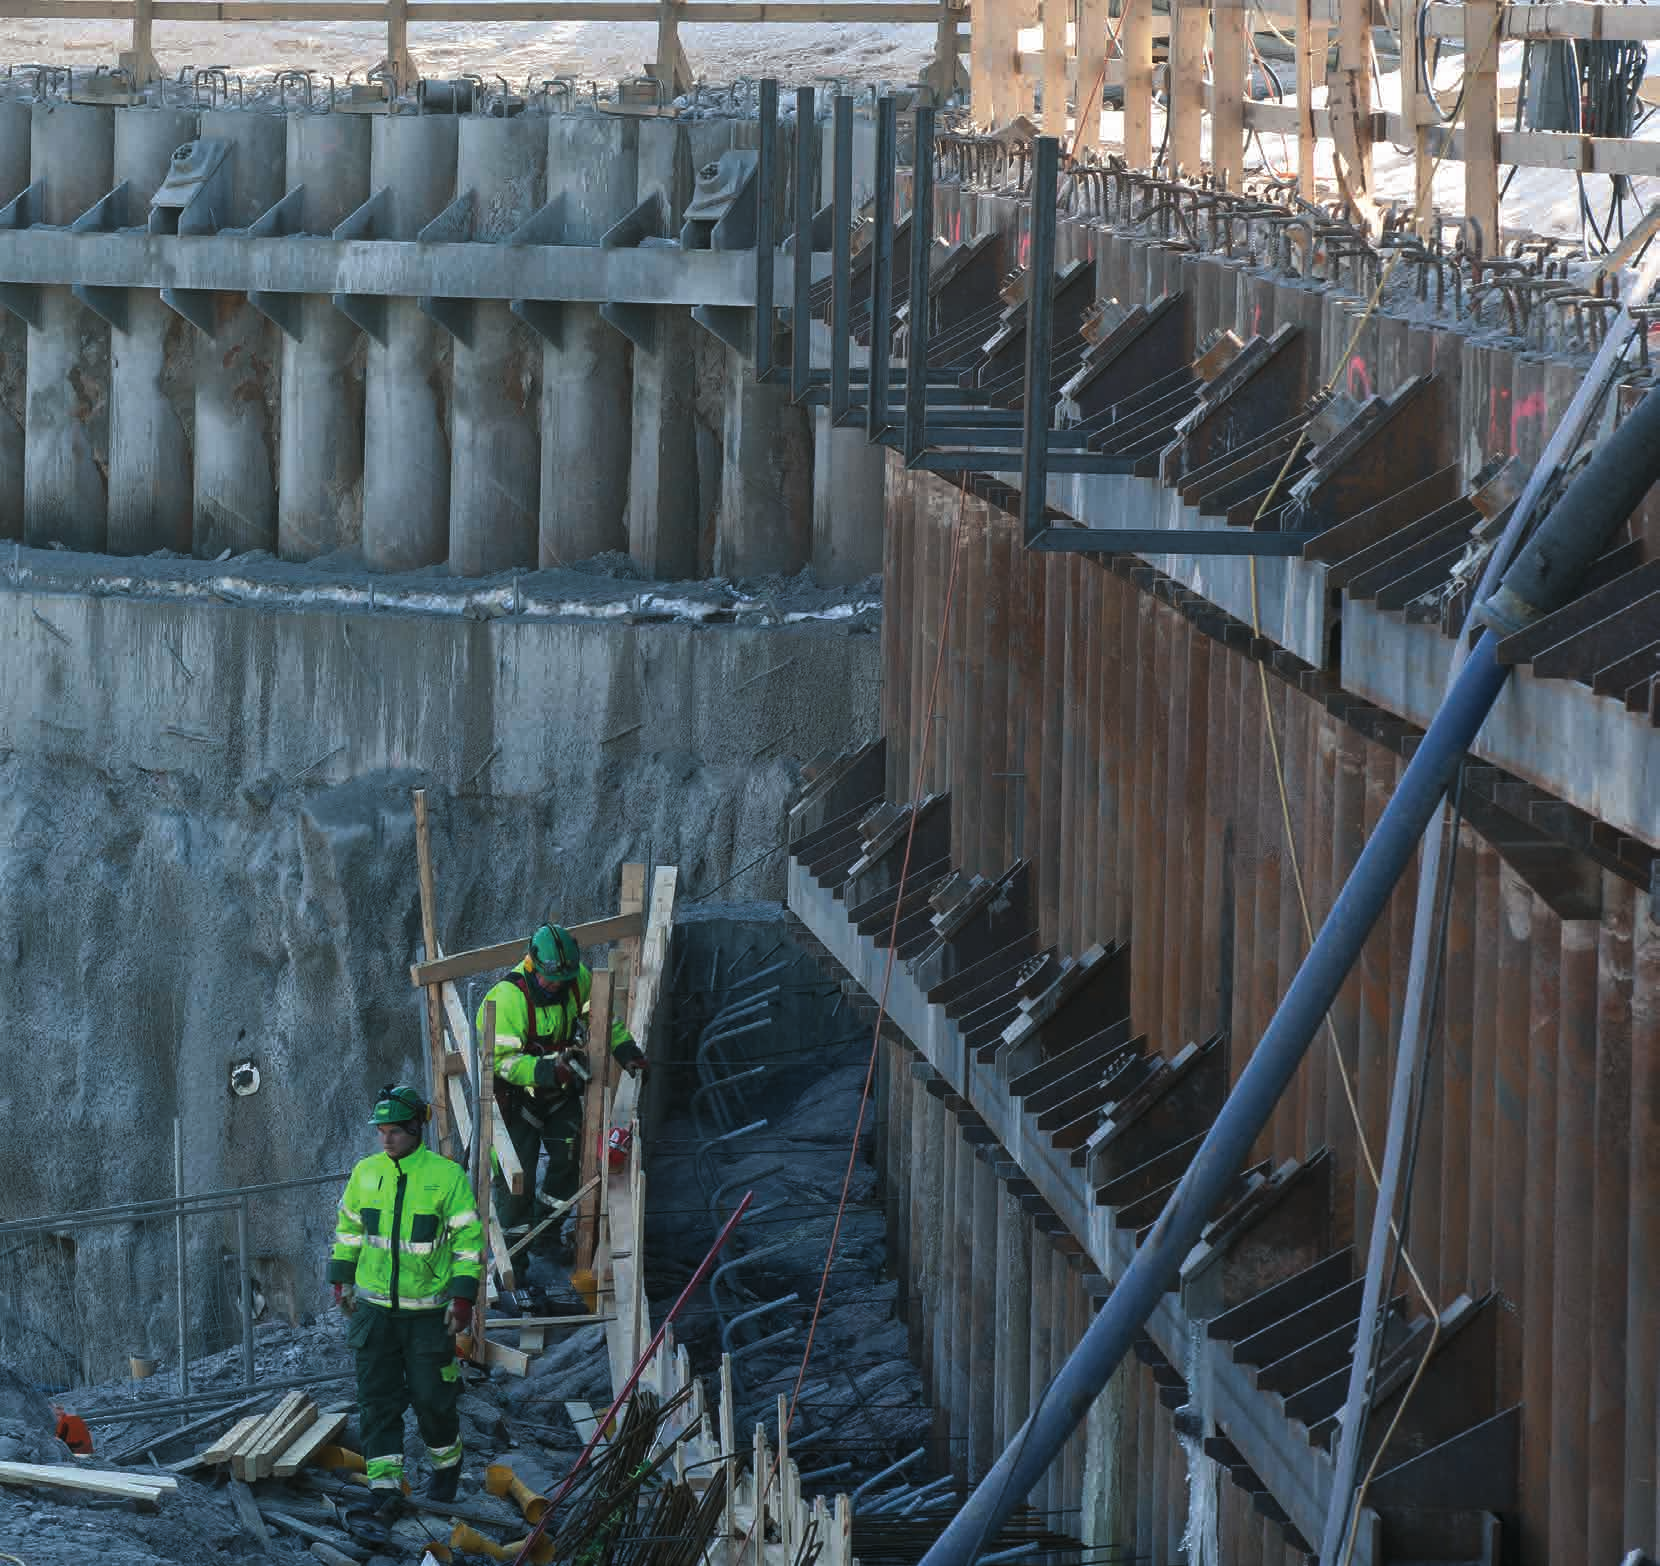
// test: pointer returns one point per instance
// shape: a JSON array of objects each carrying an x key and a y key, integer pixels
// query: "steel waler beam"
[
  {"x": 841, "y": 262},
  {"x": 1545, "y": 575},
  {"x": 766, "y": 226},
  {"x": 1040, "y": 278},
  {"x": 881, "y": 270},
  {"x": 801, "y": 248},
  {"x": 922, "y": 247}
]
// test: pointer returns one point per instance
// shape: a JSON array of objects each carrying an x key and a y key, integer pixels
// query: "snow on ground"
[{"x": 520, "y": 51}]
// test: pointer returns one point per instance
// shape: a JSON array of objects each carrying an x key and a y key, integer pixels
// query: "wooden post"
[
  {"x": 1093, "y": 27},
  {"x": 1054, "y": 68},
  {"x": 1188, "y": 19},
  {"x": 1417, "y": 119},
  {"x": 483, "y": 1137},
  {"x": 399, "y": 61},
  {"x": 1481, "y": 121},
  {"x": 140, "y": 60},
  {"x": 671, "y": 67},
  {"x": 442, "y": 1137},
  {"x": 1311, "y": 67},
  {"x": 593, "y": 1111},
  {"x": 1138, "y": 83},
  {"x": 1227, "y": 109},
  {"x": 1349, "y": 99}
]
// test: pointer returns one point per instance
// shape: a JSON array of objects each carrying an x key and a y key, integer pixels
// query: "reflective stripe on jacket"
[
  {"x": 408, "y": 1232},
  {"x": 522, "y": 1037}
]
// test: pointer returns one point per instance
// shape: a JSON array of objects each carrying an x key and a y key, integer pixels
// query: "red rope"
[{"x": 881, "y": 1006}]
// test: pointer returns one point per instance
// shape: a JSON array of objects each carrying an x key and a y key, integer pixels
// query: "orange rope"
[
  {"x": 1095, "y": 97},
  {"x": 881, "y": 1011}
]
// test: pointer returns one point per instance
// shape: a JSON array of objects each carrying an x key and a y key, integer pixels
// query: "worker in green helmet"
[
  {"x": 541, "y": 1065},
  {"x": 408, "y": 1251}
]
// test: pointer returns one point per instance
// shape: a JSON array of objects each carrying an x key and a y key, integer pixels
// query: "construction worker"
[
  {"x": 408, "y": 1251},
  {"x": 541, "y": 1065}
]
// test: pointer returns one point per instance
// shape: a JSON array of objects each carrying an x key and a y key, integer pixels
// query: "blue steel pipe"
[{"x": 1156, "y": 1267}]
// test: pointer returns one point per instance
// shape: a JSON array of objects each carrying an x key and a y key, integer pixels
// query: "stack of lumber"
[
  {"x": 275, "y": 1444},
  {"x": 146, "y": 1489}
]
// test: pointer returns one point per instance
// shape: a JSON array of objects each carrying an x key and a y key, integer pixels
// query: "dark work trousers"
[
  {"x": 405, "y": 1359},
  {"x": 560, "y": 1137}
]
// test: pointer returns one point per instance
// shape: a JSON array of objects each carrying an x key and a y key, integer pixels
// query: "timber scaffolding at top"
[{"x": 1201, "y": 66}]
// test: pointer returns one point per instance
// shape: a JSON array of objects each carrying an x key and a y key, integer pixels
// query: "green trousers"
[
  {"x": 404, "y": 1358},
  {"x": 560, "y": 1137}
]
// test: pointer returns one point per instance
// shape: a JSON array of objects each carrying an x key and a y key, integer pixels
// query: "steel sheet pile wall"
[{"x": 1110, "y": 728}]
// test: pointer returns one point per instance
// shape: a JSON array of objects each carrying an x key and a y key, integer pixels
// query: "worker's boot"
[
  {"x": 387, "y": 1505},
  {"x": 443, "y": 1483}
]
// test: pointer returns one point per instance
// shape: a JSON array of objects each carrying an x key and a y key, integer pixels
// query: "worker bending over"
[
  {"x": 541, "y": 1065},
  {"x": 408, "y": 1251}
]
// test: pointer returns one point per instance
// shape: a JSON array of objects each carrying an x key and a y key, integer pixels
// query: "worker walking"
[
  {"x": 408, "y": 1251},
  {"x": 541, "y": 1065}
]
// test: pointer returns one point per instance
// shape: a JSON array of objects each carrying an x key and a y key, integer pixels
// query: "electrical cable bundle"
[{"x": 1585, "y": 88}]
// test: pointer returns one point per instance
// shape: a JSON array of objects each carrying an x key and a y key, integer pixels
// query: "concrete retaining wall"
[{"x": 207, "y": 856}]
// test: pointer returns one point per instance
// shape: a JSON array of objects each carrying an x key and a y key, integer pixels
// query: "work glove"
[
  {"x": 345, "y": 1298},
  {"x": 633, "y": 1060},
  {"x": 565, "y": 1071},
  {"x": 458, "y": 1317}
]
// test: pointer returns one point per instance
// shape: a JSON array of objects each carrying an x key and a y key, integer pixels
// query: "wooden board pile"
[{"x": 275, "y": 1444}]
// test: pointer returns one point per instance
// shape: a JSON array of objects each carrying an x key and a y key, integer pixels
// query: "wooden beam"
[
  {"x": 1481, "y": 123},
  {"x": 305, "y": 1446},
  {"x": 1054, "y": 68},
  {"x": 484, "y": 1351},
  {"x": 1230, "y": 69},
  {"x": 93, "y": 1481},
  {"x": 442, "y": 1136},
  {"x": 1349, "y": 102},
  {"x": 1311, "y": 67},
  {"x": 1188, "y": 21},
  {"x": 398, "y": 58},
  {"x": 598, "y": 932},
  {"x": 1094, "y": 26},
  {"x": 1138, "y": 83},
  {"x": 593, "y": 1111},
  {"x": 559, "y": 1211},
  {"x": 482, "y": 1193}
]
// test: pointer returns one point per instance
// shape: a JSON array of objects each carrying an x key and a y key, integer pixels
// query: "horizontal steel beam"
[
  {"x": 299, "y": 264},
  {"x": 1167, "y": 541}
]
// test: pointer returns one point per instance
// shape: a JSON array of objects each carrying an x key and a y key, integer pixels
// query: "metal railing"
[{"x": 49, "y": 1277}]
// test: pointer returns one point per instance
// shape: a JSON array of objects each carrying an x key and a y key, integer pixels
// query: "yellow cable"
[
  {"x": 16, "y": 1559},
  {"x": 1296, "y": 864}
]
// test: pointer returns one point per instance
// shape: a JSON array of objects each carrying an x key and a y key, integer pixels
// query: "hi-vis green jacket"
[
  {"x": 526, "y": 1033},
  {"x": 408, "y": 1232}
]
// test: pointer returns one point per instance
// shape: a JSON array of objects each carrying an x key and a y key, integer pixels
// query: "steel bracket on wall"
[
  {"x": 196, "y": 190},
  {"x": 23, "y": 211},
  {"x": 105, "y": 215},
  {"x": 544, "y": 227},
  {"x": 365, "y": 311},
  {"x": 453, "y": 226},
  {"x": 281, "y": 221}
]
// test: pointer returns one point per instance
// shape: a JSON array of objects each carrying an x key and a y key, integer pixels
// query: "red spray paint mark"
[
  {"x": 1359, "y": 379},
  {"x": 1529, "y": 410}
]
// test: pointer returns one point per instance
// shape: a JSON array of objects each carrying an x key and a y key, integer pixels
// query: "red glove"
[
  {"x": 345, "y": 1298},
  {"x": 458, "y": 1317}
]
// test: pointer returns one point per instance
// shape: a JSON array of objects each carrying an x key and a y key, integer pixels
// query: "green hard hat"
[
  {"x": 398, "y": 1105},
  {"x": 553, "y": 954}
]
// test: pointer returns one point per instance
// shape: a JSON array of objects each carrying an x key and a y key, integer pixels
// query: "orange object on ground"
[{"x": 72, "y": 1431}]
